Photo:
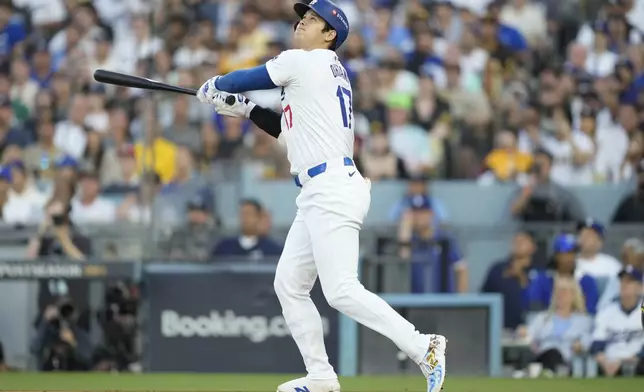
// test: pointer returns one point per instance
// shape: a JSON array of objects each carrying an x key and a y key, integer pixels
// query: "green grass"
[{"x": 268, "y": 383}]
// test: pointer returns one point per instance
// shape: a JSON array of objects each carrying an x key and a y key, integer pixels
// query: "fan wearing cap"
[
  {"x": 194, "y": 239},
  {"x": 618, "y": 339},
  {"x": 563, "y": 264},
  {"x": 633, "y": 255},
  {"x": 427, "y": 248},
  {"x": 590, "y": 261}
]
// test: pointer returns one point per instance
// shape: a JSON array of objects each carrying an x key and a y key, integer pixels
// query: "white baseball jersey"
[
  {"x": 317, "y": 106},
  {"x": 600, "y": 266},
  {"x": 621, "y": 331},
  {"x": 563, "y": 171}
]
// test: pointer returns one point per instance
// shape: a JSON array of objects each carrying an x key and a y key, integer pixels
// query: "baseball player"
[
  {"x": 316, "y": 126},
  {"x": 618, "y": 339}
]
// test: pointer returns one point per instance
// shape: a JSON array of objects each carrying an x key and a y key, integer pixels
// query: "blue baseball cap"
[
  {"x": 202, "y": 200},
  {"x": 564, "y": 243},
  {"x": 331, "y": 13},
  {"x": 5, "y": 173},
  {"x": 590, "y": 223},
  {"x": 632, "y": 272}
]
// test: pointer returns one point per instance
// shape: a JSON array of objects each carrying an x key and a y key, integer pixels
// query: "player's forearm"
[
  {"x": 267, "y": 120},
  {"x": 243, "y": 80}
]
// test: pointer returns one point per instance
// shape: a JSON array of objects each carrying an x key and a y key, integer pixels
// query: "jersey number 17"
[
  {"x": 346, "y": 105},
  {"x": 346, "y": 108}
]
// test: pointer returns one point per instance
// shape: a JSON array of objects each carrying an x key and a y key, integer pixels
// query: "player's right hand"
[
  {"x": 207, "y": 91},
  {"x": 241, "y": 108}
]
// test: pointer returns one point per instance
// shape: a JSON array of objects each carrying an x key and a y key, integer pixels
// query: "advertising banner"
[{"x": 214, "y": 321}]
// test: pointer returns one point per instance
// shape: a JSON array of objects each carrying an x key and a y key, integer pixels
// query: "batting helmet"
[{"x": 331, "y": 13}]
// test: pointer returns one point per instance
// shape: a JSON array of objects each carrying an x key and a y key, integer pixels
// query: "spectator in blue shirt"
[
  {"x": 42, "y": 69},
  {"x": 510, "y": 278},
  {"x": 437, "y": 265},
  {"x": 12, "y": 32},
  {"x": 419, "y": 187},
  {"x": 250, "y": 243},
  {"x": 631, "y": 83},
  {"x": 562, "y": 264}
]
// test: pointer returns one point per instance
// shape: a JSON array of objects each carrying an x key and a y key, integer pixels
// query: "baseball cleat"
[
  {"x": 305, "y": 385},
  {"x": 433, "y": 365}
]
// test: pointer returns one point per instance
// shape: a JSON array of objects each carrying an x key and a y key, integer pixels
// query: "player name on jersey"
[{"x": 339, "y": 72}]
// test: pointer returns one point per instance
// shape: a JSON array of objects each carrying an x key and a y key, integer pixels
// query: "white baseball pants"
[{"x": 323, "y": 241}]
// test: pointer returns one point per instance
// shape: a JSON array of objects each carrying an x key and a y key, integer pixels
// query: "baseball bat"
[{"x": 121, "y": 79}]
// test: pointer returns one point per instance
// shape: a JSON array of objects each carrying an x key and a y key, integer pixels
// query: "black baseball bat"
[{"x": 121, "y": 79}]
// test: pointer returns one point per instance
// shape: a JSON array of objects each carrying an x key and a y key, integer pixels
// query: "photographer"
[
  {"x": 57, "y": 237},
  {"x": 60, "y": 344},
  {"x": 118, "y": 322}
]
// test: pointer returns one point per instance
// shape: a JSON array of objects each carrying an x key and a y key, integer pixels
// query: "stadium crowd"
[{"x": 541, "y": 94}]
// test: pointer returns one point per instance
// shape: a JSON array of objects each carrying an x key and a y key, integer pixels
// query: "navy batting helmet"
[{"x": 331, "y": 13}]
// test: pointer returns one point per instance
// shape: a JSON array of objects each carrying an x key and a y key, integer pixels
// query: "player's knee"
[
  {"x": 279, "y": 285},
  {"x": 287, "y": 286},
  {"x": 339, "y": 296}
]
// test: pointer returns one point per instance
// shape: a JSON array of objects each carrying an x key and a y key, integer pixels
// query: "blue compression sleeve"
[{"x": 245, "y": 80}]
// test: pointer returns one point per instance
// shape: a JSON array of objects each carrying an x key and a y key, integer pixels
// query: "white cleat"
[
  {"x": 306, "y": 385},
  {"x": 433, "y": 365}
]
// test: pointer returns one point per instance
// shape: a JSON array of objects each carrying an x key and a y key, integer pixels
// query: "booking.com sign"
[
  {"x": 208, "y": 321},
  {"x": 226, "y": 325}
]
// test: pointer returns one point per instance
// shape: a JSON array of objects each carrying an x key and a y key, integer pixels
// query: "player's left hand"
[
  {"x": 207, "y": 91},
  {"x": 241, "y": 108}
]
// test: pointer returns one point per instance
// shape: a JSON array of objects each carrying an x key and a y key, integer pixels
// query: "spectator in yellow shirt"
[
  {"x": 156, "y": 153},
  {"x": 506, "y": 162}
]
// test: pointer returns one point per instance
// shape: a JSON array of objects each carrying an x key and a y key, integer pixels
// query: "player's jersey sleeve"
[{"x": 286, "y": 68}]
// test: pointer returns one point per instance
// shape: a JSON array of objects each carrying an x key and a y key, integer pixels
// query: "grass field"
[{"x": 268, "y": 383}]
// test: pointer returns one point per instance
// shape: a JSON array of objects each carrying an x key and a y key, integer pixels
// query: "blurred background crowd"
[{"x": 539, "y": 94}]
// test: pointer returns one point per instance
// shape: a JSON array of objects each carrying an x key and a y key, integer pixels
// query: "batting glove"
[
  {"x": 241, "y": 107},
  {"x": 207, "y": 91}
]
